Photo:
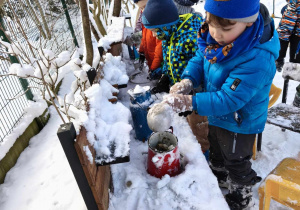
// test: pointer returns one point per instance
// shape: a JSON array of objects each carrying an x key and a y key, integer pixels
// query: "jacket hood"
[{"x": 271, "y": 45}]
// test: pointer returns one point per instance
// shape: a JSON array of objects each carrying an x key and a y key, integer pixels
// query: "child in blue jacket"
[{"x": 235, "y": 63}]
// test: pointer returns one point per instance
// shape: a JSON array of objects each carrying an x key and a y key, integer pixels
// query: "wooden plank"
[
  {"x": 285, "y": 116},
  {"x": 115, "y": 49},
  {"x": 89, "y": 169},
  {"x": 98, "y": 177},
  {"x": 102, "y": 185},
  {"x": 66, "y": 134}
]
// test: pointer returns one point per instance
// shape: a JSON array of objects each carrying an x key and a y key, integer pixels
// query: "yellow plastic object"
[
  {"x": 254, "y": 150},
  {"x": 282, "y": 185},
  {"x": 273, "y": 95}
]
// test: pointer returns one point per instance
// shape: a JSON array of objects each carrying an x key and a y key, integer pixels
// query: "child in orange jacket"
[{"x": 150, "y": 46}]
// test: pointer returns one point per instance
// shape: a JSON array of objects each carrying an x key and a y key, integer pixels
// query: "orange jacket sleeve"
[
  {"x": 143, "y": 42},
  {"x": 158, "y": 56}
]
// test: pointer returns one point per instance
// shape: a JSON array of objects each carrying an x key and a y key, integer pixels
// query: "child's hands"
[
  {"x": 179, "y": 102},
  {"x": 183, "y": 87}
]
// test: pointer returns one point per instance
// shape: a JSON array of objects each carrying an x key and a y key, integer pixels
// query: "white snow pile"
[
  {"x": 195, "y": 188},
  {"x": 34, "y": 109},
  {"x": 24, "y": 70},
  {"x": 114, "y": 33},
  {"x": 292, "y": 71},
  {"x": 115, "y": 70},
  {"x": 139, "y": 91},
  {"x": 107, "y": 128}
]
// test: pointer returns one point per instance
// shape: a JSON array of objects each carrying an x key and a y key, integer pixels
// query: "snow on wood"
[
  {"x": 285, "y": 116},
  {"x": 114, "y": 33},
  {"x": 115, "y": 70},
  {"x": 291, "y": 71},
  {"x": 108, "y": 126}
]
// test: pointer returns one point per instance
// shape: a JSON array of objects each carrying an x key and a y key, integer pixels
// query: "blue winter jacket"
[{"x": 236, "y": 93}]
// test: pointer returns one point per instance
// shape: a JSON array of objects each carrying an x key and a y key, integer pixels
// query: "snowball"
[{"x": 159, "y": 117}]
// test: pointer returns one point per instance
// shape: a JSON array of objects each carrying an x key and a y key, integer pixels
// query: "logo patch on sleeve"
[{"x": 235, "y": 84}]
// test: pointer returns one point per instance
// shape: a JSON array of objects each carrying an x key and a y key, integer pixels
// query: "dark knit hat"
[
  {"x": 186, "y": 2},
  {"x": 237, "y": 10},
  {"x": 160, "y": 13}
]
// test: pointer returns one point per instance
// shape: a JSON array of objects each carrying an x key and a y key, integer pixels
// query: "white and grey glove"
[
  {"x": 183, "y": 87},
  {"x": 179, "y": 102}
]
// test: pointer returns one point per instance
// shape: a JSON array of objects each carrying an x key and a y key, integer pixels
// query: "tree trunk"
[
  {"x": 37, "y": 2},
  {"x": 86, "y": 31},
  {"x": 117, "y": 8},
  {"x": 35, "y": 19},
  {"x": 95, "y": 33},
  {"x": 96, "y": 16}
]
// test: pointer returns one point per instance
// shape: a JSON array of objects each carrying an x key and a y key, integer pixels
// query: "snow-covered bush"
[{"x": 49, "y": 69}]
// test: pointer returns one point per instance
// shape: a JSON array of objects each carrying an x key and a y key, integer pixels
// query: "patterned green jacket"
[{"x": 181, "y": 47}]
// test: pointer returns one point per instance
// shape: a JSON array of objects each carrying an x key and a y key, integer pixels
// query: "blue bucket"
[{"x": 139, "y": 105}]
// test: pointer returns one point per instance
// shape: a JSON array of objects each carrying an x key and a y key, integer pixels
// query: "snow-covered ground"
[{"x": 42, "y": 178}]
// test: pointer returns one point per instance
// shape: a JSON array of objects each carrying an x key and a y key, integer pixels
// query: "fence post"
[
  {"x": 13, "y": 59},
  {"x": 69, "y": 22}
]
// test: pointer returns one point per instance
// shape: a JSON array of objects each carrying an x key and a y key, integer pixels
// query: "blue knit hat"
[
  {"x": 186, "y": 2},
  {"x": 237, "y": 10},
  {"x": 160, "y": 13}
]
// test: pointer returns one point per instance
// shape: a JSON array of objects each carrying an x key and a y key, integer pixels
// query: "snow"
[
  {"x": 107, "y": 124},
  {"x": 24, "y": 70},
  {"x": 292, "y": 71},
  {"x": 88, "y": 153},
  {"x": 275, "y": 178},
  {"x": 115, "y": 70},
  {"x": 285, "y": 115},
  {"x": 34, "y": 109},
  {"x": 114, "y": 33},
  {"x": 159, "y": 117},
  {"x": 11, "y": 48},
  {"x": 138, "y": 89},
  {"x": 42, "y": 178}
]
